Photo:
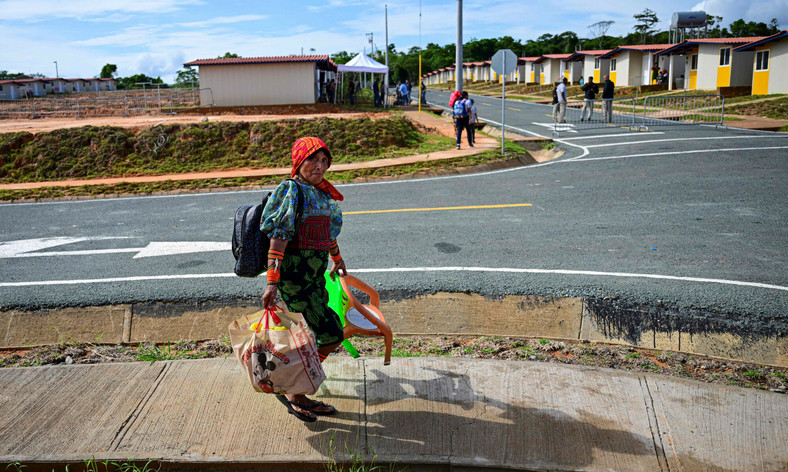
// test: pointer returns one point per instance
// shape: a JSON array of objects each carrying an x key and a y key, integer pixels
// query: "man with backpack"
[
  {"x": 461, "y": 114},
  {"x": 590, "y": 89}
]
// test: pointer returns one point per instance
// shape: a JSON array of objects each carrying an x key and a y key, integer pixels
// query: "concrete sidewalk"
[{"x": 425, "y": 413}]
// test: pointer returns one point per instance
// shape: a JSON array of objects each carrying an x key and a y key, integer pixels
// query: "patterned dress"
[{"x": 302, "y": 280}]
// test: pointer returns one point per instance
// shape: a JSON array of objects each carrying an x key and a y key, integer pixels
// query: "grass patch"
[
  {"x": 168, "y": 353},
  {"x": 776, "y": 109}
]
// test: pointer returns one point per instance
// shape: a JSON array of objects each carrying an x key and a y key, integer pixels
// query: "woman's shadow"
[{"x": 442, "y": 420}]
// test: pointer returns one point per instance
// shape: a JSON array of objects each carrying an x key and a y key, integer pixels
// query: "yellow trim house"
[
  {"x": 770, "y": 63},
  {"x": 710, "y": 63},
  {"x": 633, "y": 65},
  {"x": 552, "y": 69},
  {"x": 591, "y": 64}
]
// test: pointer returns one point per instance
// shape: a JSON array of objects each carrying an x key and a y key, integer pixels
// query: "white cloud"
[
  {"x": 224, "y": 20},
  {"x": 758, "y": 11},
  {"x": 82, "y": 9}
]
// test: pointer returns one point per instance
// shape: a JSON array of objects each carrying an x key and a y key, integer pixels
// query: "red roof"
[
  {"x": 727, "y": 40},
  {"x": 594, "y": 52},
  {"x": 556, "y": 56},
  {"x": 760, "y": 42},
  {"x": 647, "y": 47},
  {"x": 529, "y": 59},
  {"x": 223, "y": 61}
]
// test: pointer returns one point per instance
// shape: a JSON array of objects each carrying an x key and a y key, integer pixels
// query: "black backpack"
[{"x": 250, "y": 245}]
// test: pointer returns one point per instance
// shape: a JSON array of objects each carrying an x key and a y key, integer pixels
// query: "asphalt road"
[{"x": 693, "y": 217}]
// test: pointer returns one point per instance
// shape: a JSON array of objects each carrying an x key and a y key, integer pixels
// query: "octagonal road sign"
[{"x": 498, "y": 61}]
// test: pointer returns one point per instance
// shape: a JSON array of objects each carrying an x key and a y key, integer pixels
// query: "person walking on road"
[
  {"x": 299, "y": 253},
  {"x": 608, "y": 92},
  {"x": 403, "y": 90},
  {"x": 590, "y": 89},
  {"x": 561, "y": 93},
  {"x": 461, "y": 117}
]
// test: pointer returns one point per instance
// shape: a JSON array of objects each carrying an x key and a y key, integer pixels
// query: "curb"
[{"x": 439, "y": 314}]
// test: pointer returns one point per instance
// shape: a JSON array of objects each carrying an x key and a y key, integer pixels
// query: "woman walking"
[{"x": 299, "y": 252}]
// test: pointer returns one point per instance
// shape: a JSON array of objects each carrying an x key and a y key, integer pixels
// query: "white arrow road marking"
[
  {"x": 27, "y": 248},
  {"x": 23, "y": 246},
  {"x": 563, "y": 127},
  {"x": 505, "y": 270}
]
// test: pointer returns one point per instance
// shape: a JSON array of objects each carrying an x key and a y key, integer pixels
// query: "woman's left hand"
[{"x": 337, "y": 267}]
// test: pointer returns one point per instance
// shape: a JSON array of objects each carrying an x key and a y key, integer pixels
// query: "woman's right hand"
[{"x": 269, "y": 297}]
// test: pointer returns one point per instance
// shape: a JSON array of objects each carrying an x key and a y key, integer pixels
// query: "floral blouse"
[{"x": 278, "y": 220}]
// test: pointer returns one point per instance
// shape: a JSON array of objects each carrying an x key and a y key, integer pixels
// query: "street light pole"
[
  {"x": 57, "y": 74},
  {"x": 458, "y": 65}
]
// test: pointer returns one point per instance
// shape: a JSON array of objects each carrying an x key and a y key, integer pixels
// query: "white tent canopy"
[{"x": 363, "y": 63}]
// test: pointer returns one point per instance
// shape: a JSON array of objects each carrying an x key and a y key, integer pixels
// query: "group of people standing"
[{"x": 590, "y": 89}]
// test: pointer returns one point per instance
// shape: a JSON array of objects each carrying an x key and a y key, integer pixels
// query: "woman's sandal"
[
  {"x": 316, "y": 404},
  {"x": 301, "y": 416}
]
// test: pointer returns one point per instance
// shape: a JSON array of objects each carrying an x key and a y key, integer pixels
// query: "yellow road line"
[
  {"x": 475, "y": 207},
  {"x": 515, "y": 109},
  {"x": 486, "y": 104}
]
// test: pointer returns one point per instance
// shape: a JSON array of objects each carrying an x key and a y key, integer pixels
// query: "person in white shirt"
[{"x": 561, "y": 91}]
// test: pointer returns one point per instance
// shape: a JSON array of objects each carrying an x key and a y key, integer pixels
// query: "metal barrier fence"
[
  {"x": 590, "y": 114},
  {"x": 630, "y": 112},
  {"x": 108, "y": 104},
  {"x": 683, "y": 110}
]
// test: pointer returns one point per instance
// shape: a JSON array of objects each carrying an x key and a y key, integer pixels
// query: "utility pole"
[
  {"x": 385, "y": 90},
  {"x": 57, "y": 74},
  {"x": 458, "y": 66}
]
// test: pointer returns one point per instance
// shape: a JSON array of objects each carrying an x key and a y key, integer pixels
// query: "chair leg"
[{"x": 388, "y": 338}]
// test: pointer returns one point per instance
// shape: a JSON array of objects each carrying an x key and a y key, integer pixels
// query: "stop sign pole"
[{"x": 503, "y": 62}]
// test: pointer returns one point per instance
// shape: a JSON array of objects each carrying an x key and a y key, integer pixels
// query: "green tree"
[
  {"x": 645, "y": 23},
  {"x": 108, "y": 71},
  {"x": 228, "y": 55},
  {"x": 187, "y": 77},
  {"x": 342, "y": 57},
  {"x": 133, "y": 81}
]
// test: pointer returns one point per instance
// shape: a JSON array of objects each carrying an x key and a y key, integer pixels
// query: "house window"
[
  {"x": 1, "y": 88},
  {"x": 612, "y": 65},
  {"x": 725, "y": 56},
  {"x": 596, "y": 63},
  {"x": 762, "y": 60},
  {"x": 694, "y": 62}
]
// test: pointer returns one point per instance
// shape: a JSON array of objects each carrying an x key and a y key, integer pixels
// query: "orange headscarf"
[{"x": 305, "y": 147}]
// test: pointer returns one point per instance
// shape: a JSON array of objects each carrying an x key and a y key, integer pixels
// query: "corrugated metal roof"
[
  {"x": 759, "y": 42},
  {"x": 223, "y": 61}
]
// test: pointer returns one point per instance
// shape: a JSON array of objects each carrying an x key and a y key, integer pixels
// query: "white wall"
[
  {"x": 778, "y": 66},
  {"x": 708, "y": 62},
  {"x": 258, "y": 84}
]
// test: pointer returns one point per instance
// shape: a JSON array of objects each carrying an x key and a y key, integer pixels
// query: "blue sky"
[{"x": 156, "y": 37}]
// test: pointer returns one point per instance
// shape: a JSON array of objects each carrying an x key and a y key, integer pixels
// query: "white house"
[
  {"x": 591, "y": 63},
  {"x": 710, "y": 63},
  {"x": 530, "y": 69},
  {"x": 633, "y": 65},
  {"x": 277, "y": 80},
  {"x": 553, "y": 68},
  {"x": 770, "y": 66}
]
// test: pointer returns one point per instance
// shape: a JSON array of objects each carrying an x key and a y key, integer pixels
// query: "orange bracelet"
[
  {"x": 272, "y": 276},
  {"x": 336, "y": 258}
]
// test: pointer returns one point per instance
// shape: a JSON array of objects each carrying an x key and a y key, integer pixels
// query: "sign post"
[{"x": 503, "y": 62}]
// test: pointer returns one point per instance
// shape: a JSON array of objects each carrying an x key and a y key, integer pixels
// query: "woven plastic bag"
[{"x": 278, "y": 352}]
